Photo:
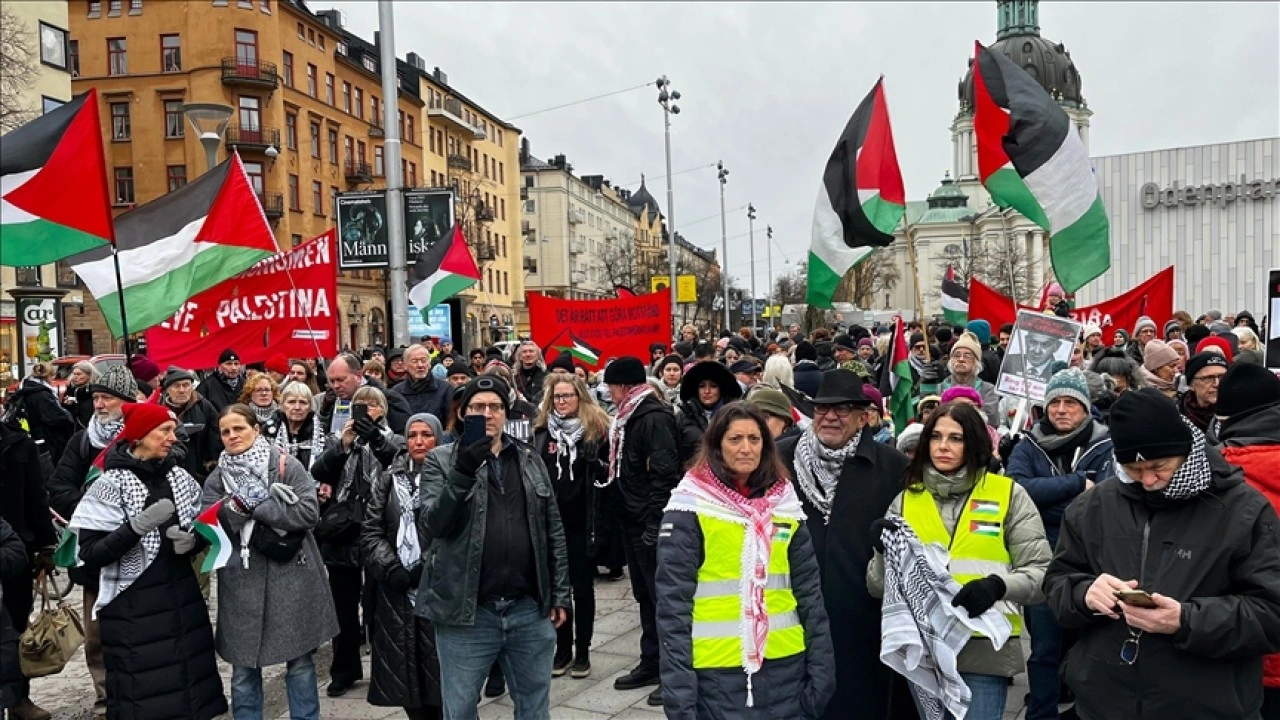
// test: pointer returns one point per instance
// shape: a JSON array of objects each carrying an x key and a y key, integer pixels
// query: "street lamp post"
[
  {"x": 768, "y": 293},
  {"x": 723, "y": 174},
  {"x": 667, "y": 98},
  {"x": 209, "y": 120},
  {"x": 751, "y": 229}
]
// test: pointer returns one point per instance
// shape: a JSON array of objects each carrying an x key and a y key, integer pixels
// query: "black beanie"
[
  {"x": 1202, "y": 360},
  {"x": 916, "y": 339},
  {"x": 563, "y": 361},
  {"x": 668, "y": 360},
  {"x": 625, "y": 370},
  {"x": 1146, "y": 425},
  {"x": 806, "y": 351},
  {"x": 1195, "y": 334},
  {"x": 1247, "y": 387},
  {"x": 485, "y": 383},
  {"x": 943, "y": 334},
  {"x": 228, "y": 355}
]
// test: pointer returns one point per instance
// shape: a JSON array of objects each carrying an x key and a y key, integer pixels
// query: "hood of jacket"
[
  {"x": 31, "y": 386},
  {"x": 1261, "y": 427},
  {"x": 730, "y": 390}
]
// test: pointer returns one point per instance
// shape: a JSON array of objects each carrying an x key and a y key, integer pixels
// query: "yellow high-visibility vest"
[
  {"x": 717, "y": 603},
  {"x": 978, "y": 546}
]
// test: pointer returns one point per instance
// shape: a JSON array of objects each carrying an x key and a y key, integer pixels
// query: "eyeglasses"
[
  {"x": 485, "y": 408},
  {"x": 1209, "y": 379},
  {"x": 564, "y": 398},
  {"x": 963, "y": 355},
  {"x": 843, "y": 410},
  {"x": 919, "y": 346},
  {"x": 1129, "y": 648}
]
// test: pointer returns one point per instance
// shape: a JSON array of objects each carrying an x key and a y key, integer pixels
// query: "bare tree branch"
[
  {"x": 876, "y": 274},
  {"x": 17, "y": 70}
]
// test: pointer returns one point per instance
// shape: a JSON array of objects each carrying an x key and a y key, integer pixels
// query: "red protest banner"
[
  {"x": 259, "y": 313},
  {"x": 1153, "y": 298},
  {"x": 608, "y": 328}
]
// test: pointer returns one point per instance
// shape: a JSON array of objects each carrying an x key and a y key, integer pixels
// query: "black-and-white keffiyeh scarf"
[
  {"x": 818, "y": 468},
  {"x": 1194, "y": 477},
  {"x": 115, "y": 498},
  {"x": 618, "y": 430},
  {"x": 266, "y": 414},
  {"x": 101, "y": 434},
  {"x": 247, "y": 474},
  {"x": 566, "y": 432},
  {"x": 406, "y": 485}
]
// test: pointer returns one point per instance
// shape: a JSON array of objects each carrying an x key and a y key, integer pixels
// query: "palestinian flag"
[
  {"x": 67, "y": 554},
  {"x": 442, "y": 271},
  {"x": 984, "y": 507},
  {"x": 580, "y": 350},
  {"x": 53, "y": 186},
  {"x": 1030, "y": 158},
  {"x": 209, "y": 527},
  {"x": 984, "y": 527},
  {"x": 955, "y": 299},
  {"x": 861, "y": 199},
  {"x": 178, "y": 246},
  {"x": 896, "y": 383}
]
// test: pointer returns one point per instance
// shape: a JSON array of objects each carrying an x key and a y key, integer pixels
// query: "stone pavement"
[{"x": 614, "y": 651}]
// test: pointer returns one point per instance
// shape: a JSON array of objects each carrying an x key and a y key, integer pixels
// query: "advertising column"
[{"x": 39, "y": 327}]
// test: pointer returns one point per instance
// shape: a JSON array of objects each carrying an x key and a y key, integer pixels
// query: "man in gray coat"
[{"x": 496, "y": 583}]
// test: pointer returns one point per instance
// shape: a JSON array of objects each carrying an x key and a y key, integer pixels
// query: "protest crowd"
[{"x": 844, "y": 522}]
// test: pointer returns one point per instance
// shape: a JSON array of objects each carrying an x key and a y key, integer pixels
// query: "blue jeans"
[
  {"x": 988, "y": 695},
  {"x": 515, "y": 633},
  {"x": 299, "y": 683},
  {"x": 1042, "y": 666}
]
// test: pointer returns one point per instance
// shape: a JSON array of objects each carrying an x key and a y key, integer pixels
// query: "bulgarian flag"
[
  {"x": 178, "y": 246},
  {"x": 53, "y": 186},
  {"x": 442, "y": 271},
  {"x": 896, "y": 383},
  {"x": 1030, "y": 158},
  {"x": 579, "y": 349},
  {"x": 861, "y": 199},
  {"x": 209, "y": 527},
  {"x": 955, "y": 298}
]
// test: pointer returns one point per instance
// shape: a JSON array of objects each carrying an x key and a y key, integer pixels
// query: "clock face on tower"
[{"x": 53, "y": 46}]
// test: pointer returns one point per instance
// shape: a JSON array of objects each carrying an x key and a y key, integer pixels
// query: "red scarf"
[{"x": 617, "y": 432}]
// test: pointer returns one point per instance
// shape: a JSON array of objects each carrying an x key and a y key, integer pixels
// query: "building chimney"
[{"x": 524, "y": 151}]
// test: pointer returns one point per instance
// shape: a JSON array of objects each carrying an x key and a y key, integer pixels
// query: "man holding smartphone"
[
  {"x": 496, "y": 584},
  {"x": 1179, "y": 524}
]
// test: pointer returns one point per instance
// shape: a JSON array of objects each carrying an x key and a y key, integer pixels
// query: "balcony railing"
[
  {"x": 450, "y": 112},
  {"x": 358, "y": 172},
  {"x": 458, "y": 161},
  {"x": 484, "y": 213},
  {"x": 254, "y": 73},
  {"x": 577, "y": 247},
  {"x": 252, "y": 139},
  {"x": 485, "y": 251},
  {"x": 272, "y": 204}
]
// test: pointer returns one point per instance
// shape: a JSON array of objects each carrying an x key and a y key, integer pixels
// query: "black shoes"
[
  {"x": 339, "y": 686},
  {"x": 496, "y": 686},
  {"x": 560, "y": 665},
  {"x": 655, "y": 697},
  {"x": 581, "y": 667},
  {"x": 638, "y": 678}
]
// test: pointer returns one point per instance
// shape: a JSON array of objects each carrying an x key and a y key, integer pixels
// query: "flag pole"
[
  {"x": 915, "y": 279},
  {"x": 124, "y": 319}
]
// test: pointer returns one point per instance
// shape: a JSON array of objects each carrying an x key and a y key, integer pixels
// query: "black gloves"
[
  {"x": 977, "y": 596},
  {"x": 1007, "y": 444},
  {"x": 367, "y": 430},
  {"x": 398, "y": 579},
  {"x": 469, "y": 459},
  {"x": 891, "y": 524},
  {"x": 415, "y": 576}
]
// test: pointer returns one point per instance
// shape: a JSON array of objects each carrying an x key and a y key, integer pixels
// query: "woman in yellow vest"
[
  {"x": 742, "y": 628},
  {"x": 994, "y": 536}
]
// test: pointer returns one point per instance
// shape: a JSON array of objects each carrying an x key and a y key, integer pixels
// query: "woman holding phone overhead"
[
  {"x": 344, "y": 475},
  {"x": 995, "y": 541}
]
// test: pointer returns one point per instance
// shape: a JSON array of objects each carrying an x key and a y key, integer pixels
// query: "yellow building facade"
[{"x": 307, "y": 117}]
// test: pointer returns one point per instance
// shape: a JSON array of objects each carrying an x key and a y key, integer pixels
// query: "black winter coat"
[
  {"x": 428, "y": 395},
  {"x": 692, "y": 421},
  {"x": 49, "y": 424},
  {"x": 157, "y": 642},
  {"x": 219, "y": 394},
  {"x": 405, "y": 670},
  {"x": 1217, "y": 553},
  {"x": 353, "y": 472},
  {"x": 82, "y": 409},
  {"x": 529, "y": 383},
  {"x": 796, "y": 687},
  {"x": 578, "y": 499},
  {"x": 649, "y": 468},
  {"x": 24, "y": 503},
  {"x": 869, "y": 482},
  {"x": 453, "y": 516},
  {"x": 807, "y": 377},
  {"x": 13, "y": 567}
]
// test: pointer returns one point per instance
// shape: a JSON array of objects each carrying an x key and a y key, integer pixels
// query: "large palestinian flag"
[
  {"x": 861, "y": 199},
  {"x": 955, "y": 298},
  {"x": 442, "y": 271},
  {"x": 896, "y": 381},
  {"x": 1031, "y": 158},
  {"x": 177, "y": 246},
  {"x": 53, "y": 186}
]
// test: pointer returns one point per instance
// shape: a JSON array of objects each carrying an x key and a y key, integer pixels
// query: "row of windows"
[
  {"x": 352, "y": 98},
  {"x": 496, "y": 282},
  {"x": 435, "y": 99},
  {"x": 114, "y": 7}
]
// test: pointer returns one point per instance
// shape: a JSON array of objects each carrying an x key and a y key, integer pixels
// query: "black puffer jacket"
[
  {"x": 453, "y": 515},
  {"x": 807, "y": 377},
  {"x": 796, "y": 687},
  {"x": 428, "y": 395},
  {"x": 24, "y": 503},
  {"x": 405, "y": 670},
  {"x": 218, "y": 392},
  {"x": 649, "y": 468},
  {"x": 157, "y": 642},
  {"x": 1218, "y": 553},
  {"x": 49, "y": 424}
]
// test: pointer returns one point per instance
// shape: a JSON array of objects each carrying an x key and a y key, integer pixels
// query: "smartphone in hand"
[
  {"x": 359, "y": 411},
  {"x": 1137, "y": 598},
  {"x": 473, "y": 430}
]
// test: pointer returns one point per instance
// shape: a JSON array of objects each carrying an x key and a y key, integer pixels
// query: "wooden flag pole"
[{"x": 915, "y": 278}]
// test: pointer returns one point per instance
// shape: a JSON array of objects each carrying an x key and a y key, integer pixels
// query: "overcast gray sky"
[{"x": 768, "y": 86}]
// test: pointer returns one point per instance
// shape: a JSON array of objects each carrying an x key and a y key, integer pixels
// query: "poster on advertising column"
[
  {"x": 1041, "y": 345},
  {"x": 362, "y": 230},
  {"x": 428, "y": 216}
]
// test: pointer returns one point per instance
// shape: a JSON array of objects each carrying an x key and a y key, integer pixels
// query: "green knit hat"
[{"x": 1069, "y": 383}]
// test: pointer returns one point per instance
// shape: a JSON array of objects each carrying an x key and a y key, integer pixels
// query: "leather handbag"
[{"x": 48, "y": 643}]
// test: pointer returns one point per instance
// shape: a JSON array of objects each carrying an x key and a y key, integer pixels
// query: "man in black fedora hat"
[{"x": 846, "y": 482}]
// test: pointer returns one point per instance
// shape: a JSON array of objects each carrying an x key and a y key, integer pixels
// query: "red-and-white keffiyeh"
[
  {"x": 702, "y": 492},
  {"x": 618, "y": 431}
]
